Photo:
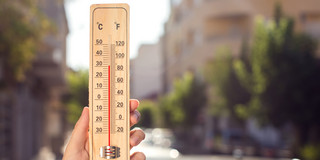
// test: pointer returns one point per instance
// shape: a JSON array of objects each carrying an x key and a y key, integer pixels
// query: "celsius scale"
[{"x": 109, "y": 82}]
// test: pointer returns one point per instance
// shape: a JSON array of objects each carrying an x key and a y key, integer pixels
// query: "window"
[
  {"x": 311, "y": 22},
  {"x": 226, "y": 26}
]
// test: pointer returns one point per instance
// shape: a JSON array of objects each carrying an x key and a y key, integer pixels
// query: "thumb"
[{"x": 79, "y": 135}]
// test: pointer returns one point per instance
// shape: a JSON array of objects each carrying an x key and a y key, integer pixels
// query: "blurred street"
[
  {"x": 158, "y": 142},
  {"x": 210, "y": 157}
]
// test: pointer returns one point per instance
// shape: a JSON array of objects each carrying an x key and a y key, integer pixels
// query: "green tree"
[
  {"x": 226, "y": 92},
  {"x": 311, "y": 152},
  {"x": 151, "y": 117},
  {"x": 22, "y": 27},
  {"x": 78, "y": 94},
  {"x": 283, "y": 78},
  {"x": 183, "y": 104}
]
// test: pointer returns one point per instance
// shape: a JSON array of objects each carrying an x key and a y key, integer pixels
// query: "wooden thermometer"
[{"x": 109, "y": 82}]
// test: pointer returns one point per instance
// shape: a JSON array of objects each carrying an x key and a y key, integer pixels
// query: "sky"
[{"x": 151, "y": 14}]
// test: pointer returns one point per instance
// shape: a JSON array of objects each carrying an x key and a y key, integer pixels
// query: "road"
[
  {"x": 153, "y": 151},
  {"x": 210, "y": 157},
  {"x": 160, "y": 153}
]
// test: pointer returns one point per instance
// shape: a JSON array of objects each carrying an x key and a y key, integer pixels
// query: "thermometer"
[{"x": 109, "y": 82}]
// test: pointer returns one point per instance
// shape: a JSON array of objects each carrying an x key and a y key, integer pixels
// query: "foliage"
[
  {"x": 184, "y": 103},
  {"x": 311, "y": 152},
  {"x": 150, "y": 115},
  {"x": 226, "y": 93},
  {"x": 283, "y": 78},
  {"x": 22, "y": 28},
  {"x": 278, "y": 78},
  {"x": 78, "y": 94}
]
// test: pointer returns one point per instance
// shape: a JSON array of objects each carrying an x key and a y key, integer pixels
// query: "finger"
[
  {"x": 134, "y": 117},
  {"x": 80, "y": 133},
  {"x": 133, "y": 104},
  {"x": 137, "y": 156},
  {"x": 136, "y": 136}
]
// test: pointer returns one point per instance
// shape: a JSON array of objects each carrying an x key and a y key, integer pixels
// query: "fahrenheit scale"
[{"x": 109, "y": 82}]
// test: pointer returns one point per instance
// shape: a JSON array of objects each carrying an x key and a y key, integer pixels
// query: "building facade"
[
  {"x": 146, "y": 72},
  {"x": 196, "y": 29},
  {"x": 31, "y": 112}
]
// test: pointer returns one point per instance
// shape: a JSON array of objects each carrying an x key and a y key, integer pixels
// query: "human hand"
[{"x": 78, "y": 146}]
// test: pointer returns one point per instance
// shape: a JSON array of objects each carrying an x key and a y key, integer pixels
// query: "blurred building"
[
  {"x": 31, "y": 114},
  {"x": 146, "y": 72},
  {"x": 196, "y": 29}
]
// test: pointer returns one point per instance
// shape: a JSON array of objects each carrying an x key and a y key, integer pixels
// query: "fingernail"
[
  {"x": 134, "y": 101},
  {"x": 135, "y": 140},
  {"x": 137, "y": 115}
]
